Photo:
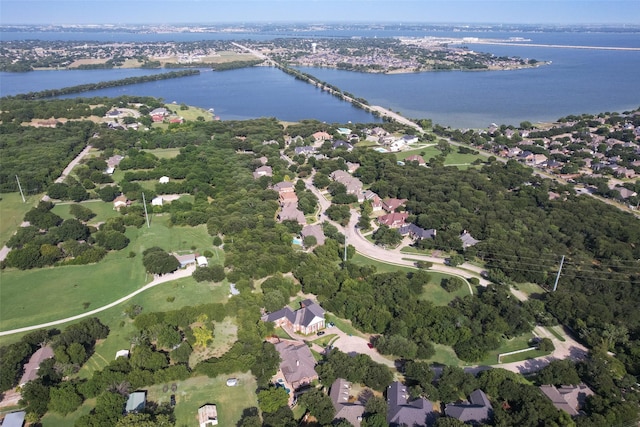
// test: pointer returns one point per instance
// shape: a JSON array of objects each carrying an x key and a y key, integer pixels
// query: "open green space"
[
  {"x": 12, "y": 211},
  {"x": 530, "y": 288},
  {"x": 195, "y": 392},
  {"x": 343, "y": 324},
  {"x": 52, "y": 419},
  {"x": 103, "y": 210},
  {"x": 556, "y": 333},
  {"x": 453, "y": 158},
  {"x": 517, "y": 343},
  {"x": 445, "y": 356},
  {"x": 523, "y": 356},
  {"x": 43, "y": 295},
  {"x": 432, "y": 291},
  {"x": 164, "y": 153}
]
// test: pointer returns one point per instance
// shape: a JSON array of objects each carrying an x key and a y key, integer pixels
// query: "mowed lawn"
[
  {"x": 12, "y": 211},
  {"x": 453, "y": 158},
  {"x": 103, "y": 210},
  {"x": 42, "y": 295}
]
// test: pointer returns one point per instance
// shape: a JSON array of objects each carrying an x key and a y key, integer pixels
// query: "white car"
[{"x": 232, "y": 382}]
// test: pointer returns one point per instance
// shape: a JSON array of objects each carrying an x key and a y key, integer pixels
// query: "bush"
[{"x": 452, "y": 284}]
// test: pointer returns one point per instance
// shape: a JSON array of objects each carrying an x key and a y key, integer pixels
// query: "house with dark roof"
[
  {"x": 474, "y": 411},
  {"x": 347, "y": 406},
  {"x": 468, "y": 240},
  {"x": 416, "y": 232},
  {"x": 401, "y": 411},
  {"x": 342, "y": 144},
  {"x": 567, "y": 398},
  {"x": 307, "y": 150},
  {"x": 308, "y": 319},
  {"x": 297, "y": 363}
]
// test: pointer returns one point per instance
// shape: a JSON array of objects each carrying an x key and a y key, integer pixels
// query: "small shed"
[
  {"x": 136, "y": 401},
  {"x": 122, "y": 353},
  {"x": 208, "y": 415},
  {"x": 164, "y": 179},
  {"x": 202, "y": 261},
  {"x": 14, "y": 419}
]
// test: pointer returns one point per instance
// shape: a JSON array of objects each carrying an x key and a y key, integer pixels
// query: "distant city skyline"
[{"x": 559, "y": 12}]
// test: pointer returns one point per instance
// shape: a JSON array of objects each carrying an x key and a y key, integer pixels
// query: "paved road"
[
  {"x": 186, "y": 272},
  {"x": 4, "y": 251}
]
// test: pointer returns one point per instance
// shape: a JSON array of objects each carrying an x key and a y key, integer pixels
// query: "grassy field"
[
  {"x": 517, "y": 343},
  {"x": 103, "y": 210},
  {"x": 445, "y": 356},
  {"x": 42, "y": 295},
  {"x": 454, "y": 158},
  {"x": 432, "y": 290},
  {"x": 195, "y": 392},
  {"x": 190, "y": 395},
  {"x": 164, "y": 153},
  {"x": 523, "y": 356},
  {"x": 12, "y": 211}
]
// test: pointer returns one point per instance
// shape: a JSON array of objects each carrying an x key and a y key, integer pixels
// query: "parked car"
[
  {"x": 331, "y": 324},
  {"x": 320, "y": 333},
  {"x": 232, "y": 382},
  {"x": 369, "y": 345},
  {"x": 172, "y": 400}
]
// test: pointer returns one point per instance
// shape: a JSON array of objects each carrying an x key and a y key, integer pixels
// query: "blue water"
[{"x": 577, "y": 81}]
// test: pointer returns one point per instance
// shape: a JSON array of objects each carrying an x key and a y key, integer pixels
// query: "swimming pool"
[{"x": 296, "y": 241}]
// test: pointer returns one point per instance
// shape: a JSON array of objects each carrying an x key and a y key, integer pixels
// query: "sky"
[{"x": 58, "y": 12}]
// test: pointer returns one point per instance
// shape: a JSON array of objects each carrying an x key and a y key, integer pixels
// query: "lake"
[{"x": 577, "y": 81}]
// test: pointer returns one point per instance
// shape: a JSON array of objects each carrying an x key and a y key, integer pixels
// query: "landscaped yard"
[
  {"x": 164, "y": 153},
  {"x": 103, "y": 210}
]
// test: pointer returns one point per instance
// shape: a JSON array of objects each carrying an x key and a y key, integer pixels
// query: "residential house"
[
  {"x": 185, "y": 260},
  {"x": 342, "y": 144},
  {"x": 401, "y": 411},
  {"x": 288, "y": 199},
  {"x": 568, "y": 398},
  {"x": 352, "y": 167},
  {"x": 14, "y": 419},
  {"x": 284, "y": 187},
  {"x": 353, "y": 185},
  {"x": 297, "y": 363},
  {"x": 391, "y": 204},
  {"x": 417, "y": 232},
  {"x": 120, "y": 202},
  {"x": 393, "y": 220},
  {"x": 321, "y": 136},
  {"x": 468, "y": 240},
  {"x": 32, "y": 366},
  {"x": 309, "y": 318},
  {"x": 290, "y": 212},
  {"x": 474, "y": 411},
  {"x": 112, "y": 163},
  {"x": 416, "y": 158},
  {"x": 208, "y": 415},
  {"x": 347, "y": 407},
  {"x": 263, "y": 171},
  {"x": 305, "y": 151},
  {"x": 410, "y": 139},
  {"x": 625, "y": 193},
  {"x": 136, "y": 402},
  {"x": 314, "y": 230}
]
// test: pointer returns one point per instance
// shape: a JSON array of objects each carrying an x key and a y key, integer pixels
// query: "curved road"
[{"x": 158, "y": 280}]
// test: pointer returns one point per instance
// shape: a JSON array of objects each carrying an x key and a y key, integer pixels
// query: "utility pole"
[
  {"x": 20, "y": 188},
  {"x": 146, "y": 215},
  {"x": 345, "y": 247},
  {"x": 555, "y": 285}
]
